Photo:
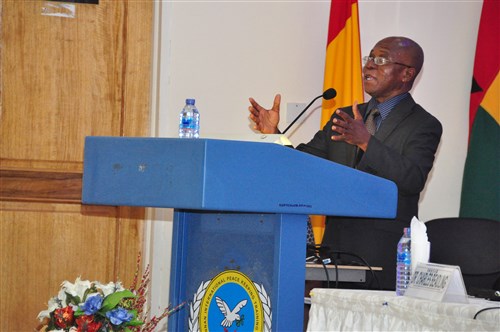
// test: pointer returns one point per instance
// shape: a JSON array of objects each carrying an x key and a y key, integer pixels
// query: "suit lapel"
[
  {"x": 352, "y": 151},
  {"x": 398, "y": 114},
  {"x": 362, "y": 109}
]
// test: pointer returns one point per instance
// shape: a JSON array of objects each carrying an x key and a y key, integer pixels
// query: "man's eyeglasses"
[{"x": 380, "y": 61}]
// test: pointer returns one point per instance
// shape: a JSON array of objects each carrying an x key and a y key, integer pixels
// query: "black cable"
[
  {"x": 315, "y": 249},
  {"x": 326, "y": 271},
  {"x": 374, "y": 277},
  {"x": 329, "y": 253},
  {"x": 485, "y": 309},
  {"x": 336, "y": 265},
  {"x": 336, "y": 272}
]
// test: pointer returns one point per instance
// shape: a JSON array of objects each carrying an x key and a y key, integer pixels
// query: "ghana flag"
[
  {"x": 343, "y": 58},
  {"x": 342, "y": 70},
  {"x": 481, "y": 185}
]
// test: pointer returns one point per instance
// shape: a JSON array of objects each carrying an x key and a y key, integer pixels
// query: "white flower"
[
  {"x": 44, "y": 314},
  {"x": 52, "y": 305},
  {"x": 76, "y": 289},
  {"x": 109, "y": 288},
  {"x": 61, "y": 299}
]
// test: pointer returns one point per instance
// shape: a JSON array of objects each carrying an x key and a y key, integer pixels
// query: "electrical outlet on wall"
[{"x": 293, "y": 110}]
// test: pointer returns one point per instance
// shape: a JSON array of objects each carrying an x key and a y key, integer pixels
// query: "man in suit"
[{"x": 400, "y": 147}]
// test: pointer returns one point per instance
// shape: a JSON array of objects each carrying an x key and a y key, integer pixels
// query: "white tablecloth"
[{"x": 362, "y": 310}]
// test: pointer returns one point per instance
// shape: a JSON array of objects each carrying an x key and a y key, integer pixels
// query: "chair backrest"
[{"x": 471, "y": 243}]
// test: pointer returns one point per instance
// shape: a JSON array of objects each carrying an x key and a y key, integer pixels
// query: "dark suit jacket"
[{"x": 402, "y": 151}]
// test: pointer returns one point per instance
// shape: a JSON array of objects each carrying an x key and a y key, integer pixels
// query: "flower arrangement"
[{"x": 85, "y": 306}]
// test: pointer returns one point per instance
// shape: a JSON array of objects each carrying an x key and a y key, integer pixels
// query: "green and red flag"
[
  {"x": 481, "y": 182},
  {"x": 342, "y": 69}
]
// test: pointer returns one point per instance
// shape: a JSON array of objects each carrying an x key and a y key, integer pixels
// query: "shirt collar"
[{"x": 386, "y": 107}]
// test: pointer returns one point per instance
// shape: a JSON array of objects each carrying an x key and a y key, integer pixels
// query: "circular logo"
[{"x": 231, "y": 302}]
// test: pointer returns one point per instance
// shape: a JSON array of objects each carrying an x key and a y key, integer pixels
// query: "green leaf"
[
  {"x": 135, "y": 322},
  {"x": 111, "y": 301},
  {"x": 86, "y": 293},
  {"x": 79, "y": 312},
  {"x": 133, "y": 312},
  {"x": 72, "y": 299}
]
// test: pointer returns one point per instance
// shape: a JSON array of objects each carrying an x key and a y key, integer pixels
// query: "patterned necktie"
[
  {"x": 371, "y": 120},
  {"x": 371, "y": 126}
]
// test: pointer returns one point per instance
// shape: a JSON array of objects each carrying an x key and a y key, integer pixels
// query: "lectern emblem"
[{"x": 230, "y": 302}]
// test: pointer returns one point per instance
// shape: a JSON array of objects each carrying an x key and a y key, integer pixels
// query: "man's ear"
[{"x": 409, "y": 74}]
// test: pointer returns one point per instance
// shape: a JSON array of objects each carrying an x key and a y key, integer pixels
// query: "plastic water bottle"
[
  {"x": 189, "y": 121},
  {"x": 403, "y": 268}
]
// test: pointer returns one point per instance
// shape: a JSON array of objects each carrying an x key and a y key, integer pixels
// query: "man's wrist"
[{"x": 364, "y": 146}]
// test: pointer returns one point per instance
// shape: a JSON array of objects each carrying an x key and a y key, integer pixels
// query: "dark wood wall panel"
[{"x": 48, "y": 186}]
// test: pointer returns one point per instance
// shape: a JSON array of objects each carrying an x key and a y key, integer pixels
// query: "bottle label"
[
  {"x": 404, "y": 257},
  {"x": 187, "y": 122}
]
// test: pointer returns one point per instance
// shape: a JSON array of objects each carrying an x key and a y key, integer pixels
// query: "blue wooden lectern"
[{"x": 238, "y": 249}]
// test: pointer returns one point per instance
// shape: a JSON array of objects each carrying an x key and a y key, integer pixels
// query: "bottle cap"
[{"x": 190, "y": 101}]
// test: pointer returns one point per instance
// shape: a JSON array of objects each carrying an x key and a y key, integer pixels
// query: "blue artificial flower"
[
  {"x": 93, "y": 304},
  {"x": 119, "y": 316}
]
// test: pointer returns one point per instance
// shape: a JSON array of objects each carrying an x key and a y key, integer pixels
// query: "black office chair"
[{"x": 473, "y": 244}]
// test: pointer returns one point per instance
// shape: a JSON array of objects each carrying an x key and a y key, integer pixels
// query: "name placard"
[{"x": 437, "y": 282}]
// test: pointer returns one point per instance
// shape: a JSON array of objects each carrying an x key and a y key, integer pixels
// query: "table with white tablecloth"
[{"x": 366, "y": 310}]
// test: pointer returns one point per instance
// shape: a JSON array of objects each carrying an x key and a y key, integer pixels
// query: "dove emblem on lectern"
[{"x": 229, "y": 315}]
